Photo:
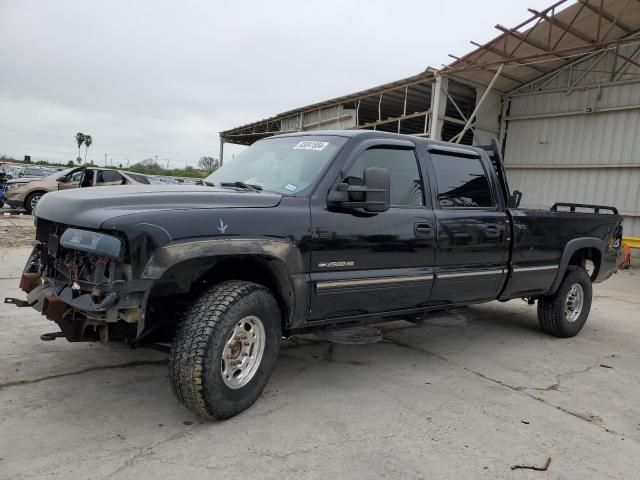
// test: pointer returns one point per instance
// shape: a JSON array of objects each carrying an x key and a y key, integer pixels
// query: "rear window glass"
[
  {"x": 461, "y": 182},
  {"x": 35, "y": 172},
  {"x": 139, "y": 178},
  {"x": 106, "y": 176}
]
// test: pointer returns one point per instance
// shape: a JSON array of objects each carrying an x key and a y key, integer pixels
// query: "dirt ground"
[{"x": 466, "y": 396}]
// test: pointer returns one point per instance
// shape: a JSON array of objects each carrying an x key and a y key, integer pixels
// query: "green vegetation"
[{"x": 150, "y": 167}]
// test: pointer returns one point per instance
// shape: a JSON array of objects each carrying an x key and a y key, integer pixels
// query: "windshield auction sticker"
[{"x": 310, "y": 145}]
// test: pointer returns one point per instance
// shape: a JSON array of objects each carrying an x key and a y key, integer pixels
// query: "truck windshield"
[{"x": 288, "y": 165}]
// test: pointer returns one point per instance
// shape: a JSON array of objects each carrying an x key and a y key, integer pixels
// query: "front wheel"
[
  {"x": 32, "y": 201},
  {"x": 564, "y": 313},
  {"x": 225, "y": 349}
]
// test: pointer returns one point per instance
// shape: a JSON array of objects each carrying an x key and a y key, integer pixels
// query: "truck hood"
[{"x": 91, "y": 207}]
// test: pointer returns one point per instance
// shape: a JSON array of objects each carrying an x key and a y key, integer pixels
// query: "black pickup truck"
[{"x": 299, "y": 233}]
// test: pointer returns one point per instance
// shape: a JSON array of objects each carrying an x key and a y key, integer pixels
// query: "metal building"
[{"x": 560, "y": 92}]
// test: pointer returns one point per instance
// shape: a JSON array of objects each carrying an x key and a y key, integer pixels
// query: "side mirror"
[
  {"x": 372, "y": 196},
  {"x": 515, "y": 198},
  {"x": 63, "y": 179}
]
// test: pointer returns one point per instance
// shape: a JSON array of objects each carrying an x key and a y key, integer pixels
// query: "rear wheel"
[
  {"x": 565, "y": 313},
  {"x": 225, "y": 349},
  {"x": 32, "y": 201}
]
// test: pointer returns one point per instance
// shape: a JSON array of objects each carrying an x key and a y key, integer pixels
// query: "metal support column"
[
  {"x": 221, "y": 150},
  {"x": 504, "y": 111},
  {"x": 438, "y": 106}
]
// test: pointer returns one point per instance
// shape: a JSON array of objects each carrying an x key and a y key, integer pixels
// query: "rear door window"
[
  {"x": 461, "y": 182},
  {"x": 108, "y": 176}
]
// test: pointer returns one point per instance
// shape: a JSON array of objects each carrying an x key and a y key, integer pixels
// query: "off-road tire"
[
  {"x": 551, "y": 315},
  {"x": 195, "y": 360},
  {"x": 29, "y": 199}
]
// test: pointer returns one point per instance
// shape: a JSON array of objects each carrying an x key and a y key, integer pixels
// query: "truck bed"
[{"x": 540, "y": 239}]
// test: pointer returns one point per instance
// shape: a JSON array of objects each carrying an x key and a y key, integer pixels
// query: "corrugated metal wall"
[
  {"x": 487, "y": 122},
  {"x": 332, "y": 118},
  {"x": 580, "y": 157}
]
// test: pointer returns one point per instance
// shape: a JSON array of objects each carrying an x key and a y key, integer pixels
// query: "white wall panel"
[
  {"x": 608, "y": 143},
  {"x": 614, "y": 186}
]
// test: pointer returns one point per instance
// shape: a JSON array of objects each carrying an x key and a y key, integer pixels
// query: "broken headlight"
[{"x": 93, "y": 242}]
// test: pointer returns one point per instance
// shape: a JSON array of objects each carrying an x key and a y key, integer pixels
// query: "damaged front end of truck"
[{"x": 82, "y": 280}]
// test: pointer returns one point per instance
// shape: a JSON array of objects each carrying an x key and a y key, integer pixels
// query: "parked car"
[
  {"x": 300, "y": 233},
  {"x": 3, "y": 181},
  {"x": 161, "y": 180},
  {"x": 27, "y": 192},
  {"x": 22, "y": 171}
]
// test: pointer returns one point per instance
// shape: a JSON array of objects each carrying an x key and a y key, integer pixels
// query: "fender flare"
[
  {"x": 286, "y": 252},
  {"x": 570, "y": 248}
]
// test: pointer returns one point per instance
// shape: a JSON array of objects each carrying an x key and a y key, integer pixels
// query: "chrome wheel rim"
[
  {"x": 34, "y": 202},
  {"x": 573, "y": 303},
  {"x": 243, "y": 352}
]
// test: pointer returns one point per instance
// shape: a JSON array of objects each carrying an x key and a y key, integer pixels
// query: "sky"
[{"x": 151, "y": 78}]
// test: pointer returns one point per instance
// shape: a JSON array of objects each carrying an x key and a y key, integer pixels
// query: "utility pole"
[{"x": 105, "y": 159}]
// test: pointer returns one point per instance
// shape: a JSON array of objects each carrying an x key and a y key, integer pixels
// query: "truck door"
[
  {"x": 471, "y": 224},
  {"x": 365, "y": 263}
]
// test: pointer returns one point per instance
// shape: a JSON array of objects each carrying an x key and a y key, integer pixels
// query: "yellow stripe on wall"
[{"x": 633, "y": 242}]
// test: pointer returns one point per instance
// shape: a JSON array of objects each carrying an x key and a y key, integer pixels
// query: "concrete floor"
[
  {"x": 464, "y": 401},
  {"x": 16, "y": 230}
]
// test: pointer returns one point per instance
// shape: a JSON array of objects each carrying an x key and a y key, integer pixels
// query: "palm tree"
[
  {"x": 87, "y": 143},
  {"x": 79, "y": 140}
]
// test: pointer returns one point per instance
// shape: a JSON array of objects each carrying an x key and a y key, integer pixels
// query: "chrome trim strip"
[
  {"x": 533, "y": 269},
  {"x": 470, "y": 274},
  {"x": 358, "y": 282}
]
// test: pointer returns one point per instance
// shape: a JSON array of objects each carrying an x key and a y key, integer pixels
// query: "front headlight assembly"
[{"x": 93, "y": 242}]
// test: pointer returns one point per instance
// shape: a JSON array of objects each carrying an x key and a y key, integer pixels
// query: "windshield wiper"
[{"x": 244, "y": 186}]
